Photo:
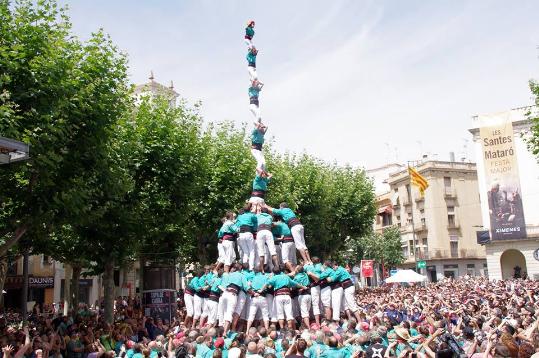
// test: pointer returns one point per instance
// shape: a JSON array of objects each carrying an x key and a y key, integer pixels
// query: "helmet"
[{"x": 250, "y": 22}]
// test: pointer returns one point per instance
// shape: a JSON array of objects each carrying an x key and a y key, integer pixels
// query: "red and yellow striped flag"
[{"x": 418, "y": 180}]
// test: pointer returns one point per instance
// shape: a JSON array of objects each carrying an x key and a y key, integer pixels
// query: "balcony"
[
  {"x": 406, "y": 201},
  {"x": 459, "y": 254},
  {"x": 453, "y": 225},
  {"x": 421, "y": 227},
  {"x": 419, "y": 199},
  {"x": 450, "y": 193}
]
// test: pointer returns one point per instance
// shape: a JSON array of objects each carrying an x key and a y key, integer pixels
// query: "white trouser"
[
  {"x": 279, "y": 253},
  {"x": 283, "y": 306},
  {"x": 259, "y": 157},
  {"x": 198, "y": 302},
  {"x": 240, "y": 302},
  {"x": 263, "y": 238},
  {"x": 325, "y": 296},
  {"x": 245, "y": 241},
  {"x": 213, "y": 307},
  {"x": 204, "y": 308},
  {"x": 252, "y": 73},
  {"x": 245, "y": 310},
  {"x": 305, "y": 305},
  {"x": 256, "y": 200},
  {"x": 258, "y": 303},
  {"x": 229, "y": 256},
  {"x": 248, "y": 42},
  {"x": 315, "y": 297},
  {"x": 221, "y": 253},
  {"x": 288, "y": 252},
  {"x": 271, "y": 307},
  {"x": 189, "y": 308},
  {"x": 336, "y": 300},
  {"x": 298, "y": 235},
  {"x": 221, "y": 311},
  {"x": 255, "y": 110},
  {"x": 229, "y": 303},
  {"x": 350, "y": 299}
]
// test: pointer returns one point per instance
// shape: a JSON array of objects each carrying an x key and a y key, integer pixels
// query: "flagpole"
[{"x": 413, "y": 224}]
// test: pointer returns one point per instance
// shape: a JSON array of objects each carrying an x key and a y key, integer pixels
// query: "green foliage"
[
  {"x": 385, "y": 248},
  {"x": 63, "y": 97},
  {"x": 533, "y": 142}
]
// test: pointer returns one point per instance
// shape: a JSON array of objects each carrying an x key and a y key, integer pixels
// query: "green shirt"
[
  {"x": 260, "y": 183},
  {"x": 251, "y": 58},
  {"x": 315, "y": 350},
  {"x": 246, "y": 219},
  {"x": 285, "y": 213},
  {"x": 249, "y": 31},
  {"x": 280, "y": 229},
  {"x": 259, "y": 281},
  {"x": 302, "y": 279},
  {"x": 226, "y": 228},
  {"x": 340, "y": 275},
  {"x": 332, "y": 352},
  {"x": 264, "y": 219},
  {"x": 281, "y": 281},
  {"x": 314, "y": 268},
  {"x": 254, "y": 91},
  {"x": 257, "y": 136}
]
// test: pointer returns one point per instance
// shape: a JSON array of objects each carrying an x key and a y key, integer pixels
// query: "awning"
[
  {"x": 385, "y": 209},
  {"x": 13, "y": 151}
]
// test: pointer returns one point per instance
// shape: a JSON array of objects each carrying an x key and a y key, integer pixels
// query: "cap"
[{"x": 219, "y": 343}]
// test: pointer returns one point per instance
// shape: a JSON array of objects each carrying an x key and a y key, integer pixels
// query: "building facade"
[
  {"x": 444, "y": 220},
  {"x": 508, "y": 176}
]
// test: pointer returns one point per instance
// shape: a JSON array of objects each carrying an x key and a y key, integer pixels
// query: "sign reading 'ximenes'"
[{"x": 502, "y": 178}]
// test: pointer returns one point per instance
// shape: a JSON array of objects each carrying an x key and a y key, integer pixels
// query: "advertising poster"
[{"x": 502, "y": 179}]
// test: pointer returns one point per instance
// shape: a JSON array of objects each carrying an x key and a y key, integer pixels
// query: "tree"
[
  {"x": 533, "y": 141},
  {"x": 385, "y": 248},
  {"x": 62, "y": 97}
]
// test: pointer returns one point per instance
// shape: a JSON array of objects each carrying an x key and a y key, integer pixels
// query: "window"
[
  {"x": 453, "y": 238},
  {"x": 47, "y": 260},
  {"x": 411, "y": 247},
  {"x": 386, "y": 219},
  {"x": 454, "y": 249},
  {"x": 425, "y": 243},
  {"x": 451, "y": 215},
  {"x": 422, "y": 215},
  {"x": 12, "y": 267},
  {"x": 409, "y": 218},
  {"x": 405, "y": 251},
  {"x": 470, "y": 269},
  {"x": 447, "y": 182}
]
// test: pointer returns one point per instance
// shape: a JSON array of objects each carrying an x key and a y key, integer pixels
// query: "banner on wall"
[
  {"x": 502, "y": 178},
  {"x": 367, "y": 268}
]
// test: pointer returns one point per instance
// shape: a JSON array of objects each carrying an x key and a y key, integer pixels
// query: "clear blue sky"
[{"x": 345, "y": 80}]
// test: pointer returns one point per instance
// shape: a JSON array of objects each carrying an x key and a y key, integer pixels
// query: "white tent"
[{"x": 406, "y": 276}]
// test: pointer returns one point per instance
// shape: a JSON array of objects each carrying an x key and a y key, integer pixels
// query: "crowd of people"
[{"x": 467, "y": 317}]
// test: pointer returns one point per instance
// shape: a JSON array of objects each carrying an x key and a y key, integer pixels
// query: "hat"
[
  {"x": 364, "y": 326},
  {"x": 402, "y": 333},
  {"x": 180, "y": 335},
  {"x": 234, "y": 352},
  {"x": 219, "y": 343}
]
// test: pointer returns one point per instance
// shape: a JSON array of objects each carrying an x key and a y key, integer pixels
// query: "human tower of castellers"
[{"x": 266, "y": 284}]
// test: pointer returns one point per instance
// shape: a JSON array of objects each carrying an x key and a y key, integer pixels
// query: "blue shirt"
[
  {"x": 235, "y": 278},
  {"x": 315, "y": 350},
  {"x": 264, "y": 219},
  {"x": 314, "y": 268},
  {"x": 226, "y": 228},
  {"x": 302, "y": 279},
  {"x": 332, "y": 352}
]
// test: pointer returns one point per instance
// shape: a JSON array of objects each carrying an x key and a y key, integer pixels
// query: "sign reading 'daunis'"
[{"x": 502, "y": 178}]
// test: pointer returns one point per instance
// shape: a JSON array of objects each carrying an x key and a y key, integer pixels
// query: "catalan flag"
[{"x": 418, "y": 180}]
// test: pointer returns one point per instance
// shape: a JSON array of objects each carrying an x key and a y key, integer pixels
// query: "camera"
[{"x": 453, "y": 344}]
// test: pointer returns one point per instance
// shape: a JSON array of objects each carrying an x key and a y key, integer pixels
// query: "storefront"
[
  {"x": 85, "y": 287},
  {"x": 40, "y": 290}
]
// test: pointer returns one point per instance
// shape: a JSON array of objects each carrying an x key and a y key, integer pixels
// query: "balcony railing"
[
  {"x": 449, "y": 192},
  {"x": 453, "y": 225},
  {"x": 446, "y": 254}
]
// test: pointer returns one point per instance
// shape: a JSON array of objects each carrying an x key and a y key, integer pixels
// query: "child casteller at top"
[{"x": 250, "y": 33}]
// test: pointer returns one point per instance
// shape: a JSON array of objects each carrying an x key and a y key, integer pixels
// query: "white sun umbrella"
[{"x": 406, "y": 276}]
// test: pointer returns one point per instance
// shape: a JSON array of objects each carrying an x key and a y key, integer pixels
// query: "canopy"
[{"x": 406, "y": 276}]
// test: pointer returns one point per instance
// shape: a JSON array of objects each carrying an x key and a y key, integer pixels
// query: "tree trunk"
[
  {"x": 108, "y": 283},
  {"x": 77, "y": 269},
  {"x": 142, "y": 263},
  {"x": 68, "y": 273},
  {"x": 19, "y": 232},
  {"x": 24, "y": 308},
  {"x": 3, "y": 274}
]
